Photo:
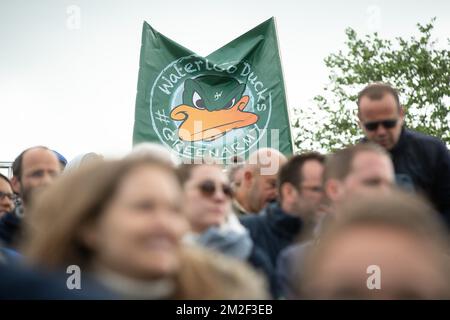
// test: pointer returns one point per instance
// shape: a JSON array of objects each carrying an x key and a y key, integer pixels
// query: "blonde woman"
[{"x": 120, "y": 222}]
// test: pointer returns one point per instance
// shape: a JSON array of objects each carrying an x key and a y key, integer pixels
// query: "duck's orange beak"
[{"x": 209, "y": 125}]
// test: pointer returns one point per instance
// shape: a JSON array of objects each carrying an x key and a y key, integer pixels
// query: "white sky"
[{"x": 73, "y": 89}]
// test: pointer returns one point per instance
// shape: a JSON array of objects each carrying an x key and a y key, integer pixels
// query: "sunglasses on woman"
[
  {"x": 387, "y": 124},
  {"x": 208, "y": 188}
]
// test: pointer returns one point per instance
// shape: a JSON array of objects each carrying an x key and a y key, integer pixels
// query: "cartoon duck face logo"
[
  {"x": 212, "y": 106},
  {"x": 203, "y": 108}
]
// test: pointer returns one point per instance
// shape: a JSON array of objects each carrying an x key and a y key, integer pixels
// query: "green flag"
[{"x": 227, "y": 104}]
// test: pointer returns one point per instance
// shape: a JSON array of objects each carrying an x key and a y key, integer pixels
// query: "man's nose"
[
  {"x": 381, "y": 130},
  {"x": 318, "y": 196},
  {"x": 47, "y": 179},
  {"x": 219, "y": 195}
]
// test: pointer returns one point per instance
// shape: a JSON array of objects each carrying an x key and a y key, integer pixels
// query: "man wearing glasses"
[
  {"x": 7, "y": 196},
  {"x": 421, "y": 162}
]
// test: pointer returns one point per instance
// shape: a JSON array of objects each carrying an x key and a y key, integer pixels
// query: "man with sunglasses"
[{"x": 421, "y": 162}]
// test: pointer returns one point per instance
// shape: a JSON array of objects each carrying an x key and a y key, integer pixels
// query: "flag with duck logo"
[{"x": 227, "y": 104}]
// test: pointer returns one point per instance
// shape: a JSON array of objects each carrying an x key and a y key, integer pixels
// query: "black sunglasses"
[
  {"x": 388, "y": 124},
  {"x": 208, "y": 189}
]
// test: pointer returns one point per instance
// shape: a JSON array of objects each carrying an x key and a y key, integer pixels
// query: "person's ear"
[
  {"x": 360, "y": 124},
  {"x": 287, "y": 192},
  {"x": 401, "y": 116},
  {"x": 402, "y": 112},
  {"x": 247, "y": 177},
  {"x": 333, "y": 189},
  {"x": 15, "y": 183}
]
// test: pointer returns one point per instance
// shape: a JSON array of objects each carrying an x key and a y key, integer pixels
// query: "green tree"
[{"x": 414, "y": 66}]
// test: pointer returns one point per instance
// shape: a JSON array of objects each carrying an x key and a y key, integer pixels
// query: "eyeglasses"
[
  {"x": 387, "y": 124},
  {"x": 208, "y": 189},
  {"x": 11, "y": 196}
]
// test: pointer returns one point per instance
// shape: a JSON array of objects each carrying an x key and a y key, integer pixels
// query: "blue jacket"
[
  {"x": 272, "y": 230},
  {"x": 422, "y": 162}
]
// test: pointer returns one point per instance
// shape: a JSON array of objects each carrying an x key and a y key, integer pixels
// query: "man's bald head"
[
  {"x": 34, "y": 168},
  {"x": 259, "y": 179}
]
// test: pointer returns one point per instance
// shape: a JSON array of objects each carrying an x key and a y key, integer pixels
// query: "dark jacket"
[
  {"x": 422, "y": 162},
  {"x": 9, "y": 228},
  {"x": 272, "y": 230},
  {"x": 24, "y": 283}
]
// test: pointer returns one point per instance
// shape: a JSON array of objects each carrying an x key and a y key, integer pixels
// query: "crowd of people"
[{"x": 371, "y": 220}]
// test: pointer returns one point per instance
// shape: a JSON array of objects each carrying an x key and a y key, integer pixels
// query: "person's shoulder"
[
  {"x": 254, "y": 218},
  {"x": 425, "y": 140},
  {"x": 251, "y": 218}
]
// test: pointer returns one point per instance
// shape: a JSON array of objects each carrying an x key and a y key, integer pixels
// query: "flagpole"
[{"x": 285, "y": 93}]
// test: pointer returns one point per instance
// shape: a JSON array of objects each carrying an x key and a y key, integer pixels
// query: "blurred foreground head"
[
  {"x": 119, "y": 215},
  {"x": 82, "y": 160},
  {"x": 359, "y": 169},
  {"x": 156, "y": 151},
  {"x": 120, "y": 221},
  {"x": 389, "y": 248}
]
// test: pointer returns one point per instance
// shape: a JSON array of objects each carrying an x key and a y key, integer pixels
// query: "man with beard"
[
  {"x": 33, "y": 169},
  {"x": 257, "y": 185}
]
